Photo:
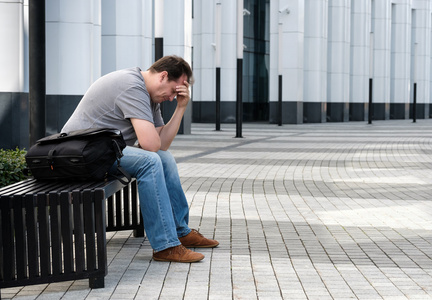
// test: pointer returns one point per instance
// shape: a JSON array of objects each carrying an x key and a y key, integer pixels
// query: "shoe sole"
[
  {"x": 182, "y": 261},
  {"x": 204, "y": 246}
]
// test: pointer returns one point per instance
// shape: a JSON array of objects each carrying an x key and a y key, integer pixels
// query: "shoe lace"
[
  {"x": 197, "y": 232},
  {"x": 181, "y": 249}
]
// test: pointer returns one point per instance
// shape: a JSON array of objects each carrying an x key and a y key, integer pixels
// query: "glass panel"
[{"x": 256, "y": 60}]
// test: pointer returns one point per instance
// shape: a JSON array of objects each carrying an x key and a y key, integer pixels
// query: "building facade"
[{"x": 332, "y": 56}]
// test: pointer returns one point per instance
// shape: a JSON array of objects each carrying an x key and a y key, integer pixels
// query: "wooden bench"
[{"x": 52, "y": 231}]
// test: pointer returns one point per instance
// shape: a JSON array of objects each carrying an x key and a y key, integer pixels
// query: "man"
[{"x": 129, "y": 100}]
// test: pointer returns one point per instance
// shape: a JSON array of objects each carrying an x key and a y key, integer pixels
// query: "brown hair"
[{"x": 175, "y": 66}]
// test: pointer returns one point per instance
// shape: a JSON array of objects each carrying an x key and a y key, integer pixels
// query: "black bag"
[{"x": 78, "y": 155}]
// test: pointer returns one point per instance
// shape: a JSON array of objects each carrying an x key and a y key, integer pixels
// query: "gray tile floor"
[{"x": 312, "y": 211}]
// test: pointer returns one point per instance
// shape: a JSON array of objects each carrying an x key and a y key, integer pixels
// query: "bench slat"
[
  {"x": 89, "y": 229},
  {"x": 78, "y": 231},
  {"x": 32, "y": 236},
  {"x": 110, "y": 212},
  {"x": 66, "y": 232},
  {"x": 99, "y": 203},
  {"x": 126, "y": 207},
  {"x": 44, "y": 236},
  {"x": 8, "y": 241},
  {"x": 20, "y": 237},
  {"x": 118, "y": 209},
  {"x": 55, "y": 233}
]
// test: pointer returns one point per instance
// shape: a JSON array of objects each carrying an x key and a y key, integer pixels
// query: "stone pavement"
[{"x": 312, "y": 211}]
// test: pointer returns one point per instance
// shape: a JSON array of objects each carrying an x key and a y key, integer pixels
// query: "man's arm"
[
  {"x": 147, "y": 134},
  {"x": 160, "y": 138},
  {"x": 168, "y": 132}
]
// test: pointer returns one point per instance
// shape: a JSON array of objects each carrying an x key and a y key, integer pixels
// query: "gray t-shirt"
[{"x": 112, "y": 100}]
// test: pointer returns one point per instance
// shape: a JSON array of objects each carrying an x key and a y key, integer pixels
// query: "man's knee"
[
  {"x": 166, "y": 157},
  {"x": 153, "y": 158},
  {"x": 147, "y": 160}
]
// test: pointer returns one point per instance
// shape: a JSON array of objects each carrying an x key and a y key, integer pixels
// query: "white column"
[
  {"x": 204, "y": 52},
  {"x": 315, "y": 58},
  {"x": 178, "y": 41},
  {"x": 178, "y": 37},
  {"x": 229, "y": 58},
  {"x": 360, "y": 52},
  {"x": 382, "y": 52},
  {"x": 147, "y": 55},
  {"x": 401, "y": 51},
  {"x": 422, "y": 29},
  {"x": 14, "y": 125},
  {"x": 275, "y": 63},
  {"x": 159, "y": 18},
  {"x": 204, "y": 59},
  {"x": 338, "y": 64},
  {"x": 126, "y": 34},
  {"x": 73, "y": 48},
  {"x": 26, "y": 46},
  {"x": 291, "y": 62},
  {"x": 12, "y": 49}
]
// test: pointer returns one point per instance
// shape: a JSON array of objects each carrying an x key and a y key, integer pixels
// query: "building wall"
[
  {"x": 323, "y": 50},
  {"x": 338, "y": 61},
  {"x": 381, "y": 55},
  {"x": 400, "y": 59},
  {"x": 204, "y": 89},
  {"x": 126, "y": 35},
  {"x": 287, "y": 34},
  {"x": 13, "y": 71},
  {"x": 328, "y": 59}
]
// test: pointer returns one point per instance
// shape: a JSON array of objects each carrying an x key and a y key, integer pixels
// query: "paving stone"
[{"x": 313, "y": 211}]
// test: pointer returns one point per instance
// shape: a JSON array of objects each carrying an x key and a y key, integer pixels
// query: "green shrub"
[{"x": 12, "y": 165}]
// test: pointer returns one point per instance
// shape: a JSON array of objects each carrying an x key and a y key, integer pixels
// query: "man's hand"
[{"x": 183, "y": 94}]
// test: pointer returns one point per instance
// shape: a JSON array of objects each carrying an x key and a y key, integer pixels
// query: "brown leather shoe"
[
  {"x": 178, "y": 254},
  {"x": 196, "y": 240}
]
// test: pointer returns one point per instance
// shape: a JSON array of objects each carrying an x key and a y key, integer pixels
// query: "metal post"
[
  {"x": 280, "y": 101},
  {"x": 415, "y": 103},
  {"x": 371, "y": 48},
  {"x": 415, "y": 84},
  {"x": 159, "y": 29},
  {"x": 239, "y": 102},
  {"x": 218, "y": 32},
  {"x": 158, "y": 48},
  {"x": 218, "y": 116},
  {"x": 280, "y": 73},
  {"x": 370, "y": 114},
  {"x": 37, "y": 70}
]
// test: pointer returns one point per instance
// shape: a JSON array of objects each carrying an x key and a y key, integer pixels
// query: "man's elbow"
[
  {"x": 164, "y": 148},
  {"x": 152, "y": 147}
]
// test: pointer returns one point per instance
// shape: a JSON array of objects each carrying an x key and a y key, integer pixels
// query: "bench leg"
[
  {"x": 97, "y": 282},
  {"x": 139, "y": 232}
]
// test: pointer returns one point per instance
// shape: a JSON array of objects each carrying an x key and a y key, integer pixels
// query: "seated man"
[{"x": 129, "y": 100}]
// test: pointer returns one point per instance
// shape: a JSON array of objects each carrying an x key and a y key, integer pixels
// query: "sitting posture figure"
[{"x": 129, "y": 100}]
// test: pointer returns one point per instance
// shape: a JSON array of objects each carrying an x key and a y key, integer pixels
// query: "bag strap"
[
  {"x": 83, "y": 134},
  {"x": 119, "y": 154},
  {"x": 51, "y": 158},
  {"x": 125, "y": 175},
  {"x": 117, "y": 149}
]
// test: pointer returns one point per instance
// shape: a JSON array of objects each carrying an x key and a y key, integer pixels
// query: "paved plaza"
[{"x": 311, "y": 211}]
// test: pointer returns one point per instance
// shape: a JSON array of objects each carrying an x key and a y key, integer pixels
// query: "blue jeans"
[{"x": 163, "y": 203}]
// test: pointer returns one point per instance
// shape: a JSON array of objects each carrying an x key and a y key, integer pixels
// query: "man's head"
[
  {"x": 175, "y": 67},
  {"x": 165, "y": 76}
]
